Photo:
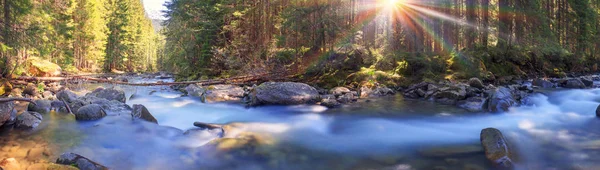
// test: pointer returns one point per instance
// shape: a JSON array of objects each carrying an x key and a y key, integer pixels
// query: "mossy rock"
[{"x": 42, "y": 68}]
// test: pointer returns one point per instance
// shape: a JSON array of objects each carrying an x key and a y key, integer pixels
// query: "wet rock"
[
  {"x": 220, "y": 93},
  {"x": 376, "y": 91},
  {"x": 496, "y": 148},
  {"x": 329, "y": 101},
  {"x": 54, "y": 87},
  {"x": 283, "y": 93},
  {"x": 140, "y": 112},
  {"x": 121, "y": 79},
  {"x": 79, "y": 162},
  {"x": 67, "y": 96},
  {"x": 28, "y": 120},
  {"x": 31, "y": 90},
  {"x": 50, "y": 166},
  {"x": 573, "y": 84},
  {"x": 451, "y": 151},
  {"x": 10, "y": 164},
  {"x": 207, "y": 125},
  {"x": 109, "y": 94},
  {"x": 7, "y": 111},
  {"x": 450, "y": 95},
  {"x": 543, "y": 83},
  {"x": 48, "y": 95},
  {"x": 500, "y": 100},
  {"x": 472, "y": 104},
  {"x": 194, "y": 90},
  {"x": 598, "y": 111},
  {"x": 475, "y": 82},
  {"x": 339, "y": 91},
  {"x": 587, "y": 81},
  {"x": 90, "y": 112},
  {"x": 41, "y": 106}
]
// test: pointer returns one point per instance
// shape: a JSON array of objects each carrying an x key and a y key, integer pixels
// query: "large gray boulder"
[
  {"x": 573, "y": 84},
  {"x": 40, "y": 106},
  {"x": 497, "y": 149},
  {"x": 140, "y": 112},
  {"x": 598, "y": 111},
  {"x": 587, "y": 81},
  {"x": 500, "y": 100},
  {"x": 109, "y": 94},
  {"x": 376, "y": 91},
  {"x": 472, "y": 104},
  {"x": 28, "y": 120},
  {"x": 220, "y": 93},
  {"x": 194, "y": 90},
  {"x": 79, "y": 162},
  {"x": 450, "y": 95},
  {"x": 283, "y": 93},
  {"x": 90, "y": 112},
  {"x": 475, "y": 82},
  {"x": 67, "y": 96},
  {"x": 7, "y": 111}
]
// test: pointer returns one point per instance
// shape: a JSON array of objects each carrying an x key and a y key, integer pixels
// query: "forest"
[
  {"x": 78, "y": 35},
  {"x": 330, "y": 42}
]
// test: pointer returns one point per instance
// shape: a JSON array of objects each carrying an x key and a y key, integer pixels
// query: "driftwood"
[
  {"x": 234, "y": 80},
  {"x": 67, "y": 106},
  {"x": 2, "y": 100}
]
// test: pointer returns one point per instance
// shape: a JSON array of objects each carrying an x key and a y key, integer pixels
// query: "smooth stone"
[
  {"x": 141, "y": 112},
  {"x": 496, "y": 148},
  {"x": 28, "y": 120},
  {"x": 90, "y": 112},
  {"x": 79, "y": 162}
]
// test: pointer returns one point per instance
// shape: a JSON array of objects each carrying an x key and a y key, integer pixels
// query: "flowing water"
[{"x": 558, "y": 130}]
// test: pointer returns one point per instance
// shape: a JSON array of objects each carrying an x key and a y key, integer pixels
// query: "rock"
[
  {"x": 496, "y": 148},
  {"x": 329, "y": 101},
  {"x": 50, "y": 166},
  {"x": 109, "y": 94},
  {"x": 28, "y": 120},
  {"x": 588, "y": 82},
  {"x": 598, "y": 111},
  {"x": 54, "y": 87},
  {"x": 283, "y": 93},
  {"x": 10, "y": 164},
  {"x": 41, "y": 106},
  {"x": 41, "y": 68},
  {"x": 472, "y": 104},
  {"x": 573, "y": 84},
  {"x": 220, "y": 93},
  {"x": 378, "y": 91},
  {"x": 140, "y": 112},
  {"x": 475, "y": 82},
  {"x": 121, "y": 79},
  {"x": 90, "y": 112},
  {"x": 79, "y": 162},
  {"x": 67, "y": 96},
  {"x": 48, "y": 95},
  {"x": 339, "y": 91},
  {"x": 348, "y": 97},
  {"x": 450, "y": 95},
  {"x": 31, "y": 90},
  {"x": 194, "y": 90},
  {"x": 7, "y": 110},
  {"x": 35, "y": 153},
  {"x": 500, "y": 100}
]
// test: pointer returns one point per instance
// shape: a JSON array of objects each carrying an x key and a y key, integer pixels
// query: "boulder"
[
  {"x": 338, "y": 91},
  {"x": 10, "y": 164},
  {"x": 41, "y": 68},
  {"x": 31, "y": 90},
  {"x": 330, "y": 101},
  {"x": 500, "y": 100},
  {"x": 41, "y": 106},
  {"x": 450, "y": 95},
  {"x": 140, "y": 112},
  {"x": 90, "y": 112},
  {"x": 497, "y": 149},
  {"x": 109, "y": 94},
  {"x": 28, "y": 120},
  {"x": 475, "y": 82},
  {"x": 67, "y": 96},
  {"x": 79, "y": 162},
  {"x": 472, "y": 104},
  {"x": 348, "y": 97},
  {"x": 48, "y": 95},
  {"x": 7, "y": 111},
  {"x": 587, "y": 81},
  {"x": 573, "y": 84},
  {"x": 283, "y": 93},
  {"x": 54, "y": 87},
  {"x": 542, "y": 83},
  {"x": 220, "y": 93},
  {"x": 377, "y": 91},
  {"x": 194, "y": 90},
  {"x": 598, "y": 111}
]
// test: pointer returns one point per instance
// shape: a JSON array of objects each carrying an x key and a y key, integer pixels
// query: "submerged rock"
[
  {"x": 140, "y": 112},
  {"x": 598, "y": 111},
  {"x": 500, "y": 100},
  {"x": 90, "y": 112},
  {"x": 28, "y": 120},
  {"x": 109, "y": 94},
  {"x": 283, "y": 93},
  {"x": 40, "y": 106},
  {"x": 496, "y": 148},
  {"x": 7, "y": 110},
  {"x": 79, "y": 162}
]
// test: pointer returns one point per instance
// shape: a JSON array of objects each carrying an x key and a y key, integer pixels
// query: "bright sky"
[{"x": 154, "y": 8}]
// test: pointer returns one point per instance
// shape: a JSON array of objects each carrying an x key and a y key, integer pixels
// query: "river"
[{"x": 558, "y": 130}]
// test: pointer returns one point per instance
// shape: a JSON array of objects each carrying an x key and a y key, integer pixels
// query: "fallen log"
[{"x": 2, "y": 100}]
